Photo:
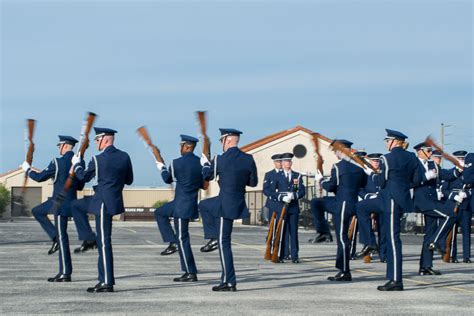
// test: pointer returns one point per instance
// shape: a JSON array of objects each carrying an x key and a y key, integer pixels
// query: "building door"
[{"x": 21, "y": 204}]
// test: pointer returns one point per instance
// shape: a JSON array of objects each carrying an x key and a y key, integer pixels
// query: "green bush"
[
  {"x": 159, "y": 203},
  {"x": 4, "y": 198}
]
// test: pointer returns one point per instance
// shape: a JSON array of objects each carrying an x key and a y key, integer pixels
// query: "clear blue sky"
[{"x": 346, "y": 69}]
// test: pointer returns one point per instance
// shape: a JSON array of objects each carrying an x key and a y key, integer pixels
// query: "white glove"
[
  {"x": 75, "y": 160},
  {"x": 368, "y": 171},
  {"x": 318, "y": 176},
  {"x": 462, "y": 163},
  {"x": 160, "y": 165},
  {"x": 25, "y": 166},
  {"x": 204, "y": 161},
  {"x": 440, "y": 195},
  {"x": 372, "y": 196},
  {"x": 287, "y": 198},
  {"x": 430, "y": 174},
  {"x": 458, "y": 198},
  {"x": 462, "y": 194}
]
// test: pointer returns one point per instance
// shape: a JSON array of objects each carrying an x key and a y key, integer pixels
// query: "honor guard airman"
[
  {"x": 458, "y": 196},
  {"x": 58, "y": 171},
  {"x": 235, "y": 170},
  {"x": 427, "y": 203},
  {"x": 112, "y": 169},
  {"x": 346, "y": 181},
  {"x": 371, "y": 204},
  {"x": 268, "y": 180},
  {"x": 186, "y": 171},
  {"x": 399, "y": 169},
  {"x": 80, "y": 211},
  {"x": 287, "y": 187}
]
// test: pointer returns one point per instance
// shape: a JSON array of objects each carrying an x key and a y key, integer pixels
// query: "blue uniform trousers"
[
  {"x": 105, "y": 264},
  {"x": 65, "y": 264},
  {"x": 290, "y": 244},
  {"x": 392, "y": 215},
  {"x": 208, "y": 211},
  {"x": 80, "y": 209},
  {"x": 463, "y": 220},
  {"x": 184, "y": 245},
  {"x": 162, "y": 216},
  {"x": 225, "y": 251},
  {"x": 318, "y": 207},
  {"x": 366, "y": 234},
  {"x": 40, "y": 213}
]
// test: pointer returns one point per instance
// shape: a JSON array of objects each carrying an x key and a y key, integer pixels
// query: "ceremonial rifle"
[
  {"x": 281, "y": 222},
  {"x": 430, "y": 142},
  {"x": 337, "y": 146},
  {"x": 449, "y": 238},
  {"x": 206, "y": 143},
  {"x": 155, "y": 152},
  {"x": 83, "y": 145},
  {"x": 268, "y": 250},
  {"x": 30, "y": 123},
  {"x": 319, "y": 160}
]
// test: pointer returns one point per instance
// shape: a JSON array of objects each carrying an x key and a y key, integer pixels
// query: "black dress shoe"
[
  {"x": 86, "y": 245},
  {"x": 211, "y": 245},
  {"x": 225, "y": 288},
  {"x": 383, "y": 260},
  {"x": 287, "y": 257},
  {"x": 171, "y": 249},
  {"x": 453, "y": 260},
  {"x": 295, "y": 261},
  {"x": 187, "y": 277},
  {"x": 101, "y": 288},
  {"x": 341, "y": 276},
  {"x": 466, "y": 260},
  {"x": 54, "y": 247},
  {"x": 323, "y": 237},
  {"x": 60, "y": 278},
  {"x": 367, "y": 250},
  {"x": 391, "y": 286},
  {"x": 280, "y": 261},
  {"x": 428, "y": 271}
]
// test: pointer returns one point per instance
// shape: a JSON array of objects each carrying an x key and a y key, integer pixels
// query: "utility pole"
[{"x": 443, "y": 135}]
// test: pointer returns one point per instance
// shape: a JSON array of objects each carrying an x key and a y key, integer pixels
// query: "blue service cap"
[
  {"x": 392, "y": 134},
  {"x": 374, "y": 156},
  {"x": 229, "y": 132},
  {"x": 63, "y": 139},
  {"x": 360, "y": 153},
  {"x": 343, "y": 142},
  {"x": 421, "y": 146},
  {"x": 276, "y": 157},
  {"x": 436, "y": 153},
  {"x": 460, "y": 153},
  {"x": 101, "y": 131},
  {"x": 188, "y": 139},
  {"x": 286, "y": 156},
  {"x": 469, "y": 159}
]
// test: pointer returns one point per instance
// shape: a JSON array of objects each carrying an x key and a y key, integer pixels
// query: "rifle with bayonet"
[
  {"x": 206, "y": 143},
  {"x": 319, "y": 160},
  {"x": 155, "y": 152},
  {"x": 30, "y": 123}
]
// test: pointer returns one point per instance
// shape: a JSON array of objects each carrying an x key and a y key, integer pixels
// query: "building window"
[{"x": 299, "y": 151}]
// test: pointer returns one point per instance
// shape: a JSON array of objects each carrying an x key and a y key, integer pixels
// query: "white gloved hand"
[
  {"x": 204, "y": 161},
  {"x": 25, "y": 166},
  {"x": 368, "y": 171},
  {"x": 75, "y": 160},
  {"x": 430, "y": 174},
  {"x": 373, "y": 196},
  {"x": 160, "y": 165},
  {"x": 458, "y": 198},
  {"x": 440, "y": 195},
  {"x": 318, "y": 176},
  {"x": 462, "y": 194},
  {"x": 287, "y": 198}
]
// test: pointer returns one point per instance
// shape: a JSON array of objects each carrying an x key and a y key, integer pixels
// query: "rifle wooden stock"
[
  {"x": 154, "y": 150},
  {"x": 206, "y": 143},
  {"x": 352, "y": 228},
  {"x": 279, "y": 229},
  {"x": 337, "y": 146},
  {"x": 268, "y": 250},
  {"x": 319, "y": 160},
  {"x": 31, "y": 148},
  {"x": 449, "y": 238},
  {"x": 430, "y": 142}
]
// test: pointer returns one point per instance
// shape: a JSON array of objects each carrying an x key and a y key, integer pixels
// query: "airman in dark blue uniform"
[
  {"x": 112, "y": 170},
  {"x": 427, "y": 203},
  {"x": 186, "y": 171},
  {"x": 58, "y": 171},
  {"x": 235, "y": 170},
  {"x": 371, "y": 203},
  {"x": 346, "y": 181},
  {"x": 268, "y": 180},
  {"x": 399, "y": 170},
  {"x": 458, "y": 193},
  {"x": 287, "y": 187},
  {"x": 355, "y": 230}
]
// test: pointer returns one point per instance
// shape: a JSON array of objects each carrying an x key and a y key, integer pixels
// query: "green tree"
[
  {"x": 159, "y": 203},
  {"x": 4, "y": 198}
]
